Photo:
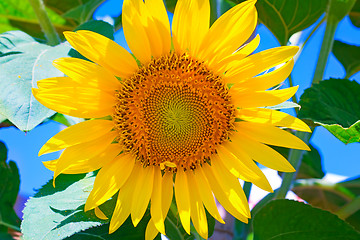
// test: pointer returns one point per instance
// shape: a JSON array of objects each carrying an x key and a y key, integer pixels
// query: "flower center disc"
[{"x": 173, "y": 112}]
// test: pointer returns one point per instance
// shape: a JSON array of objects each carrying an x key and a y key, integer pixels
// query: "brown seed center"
[{"x": 173, "y": 113}]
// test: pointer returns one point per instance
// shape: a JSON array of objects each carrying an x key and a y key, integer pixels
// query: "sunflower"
[{"x": 186, "y": 114}]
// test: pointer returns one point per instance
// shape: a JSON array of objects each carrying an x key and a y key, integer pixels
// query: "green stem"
[
  {"x": 326, "y": 47},
  {"x": 241, "y": 229},
  {"x": 16, "y": 228},
  {"x": 45, "y": 23},
  {"x": 295, "y": 157},
  {"x": 213, "y": 11},
  {"x": 349, "y": 209}
]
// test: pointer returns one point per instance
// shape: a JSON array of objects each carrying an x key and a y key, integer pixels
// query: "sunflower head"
[{"x": 191, "y": 118}]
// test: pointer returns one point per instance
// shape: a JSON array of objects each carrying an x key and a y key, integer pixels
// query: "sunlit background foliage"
[{"x": 31, "y": 37}]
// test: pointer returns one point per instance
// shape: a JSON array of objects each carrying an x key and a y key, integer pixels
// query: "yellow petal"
[
  {"x": 231, "y": 187},
  {"x": 158, "y": 12},
  {"x": 151, "y": 232},
  {"x": 142, "y": 193},
  {"x": 167, "y": 192},
  {"x": 109, "y": 180},
  {"x": 261, "y": 153},
  {"x": 100, "y": 214},
  {"x": 225, "y": 193},
  {"x": 123, "y": 204},
  {"x": 55, "y": 82},
  {"x": 271, "y": 135},
  {"x": 77, "y": 101},
  {"x": 249, "y": 99},
  {"x": 206, "y": 195},
  {"x": 87, "y": 74},
  {"x": 51, "y": 165},
  {"x": 183, "y": 199},
  {"x": 156, "y": 203},
  {"x": 243, "y": 52},
  {"x": 85, "y": 165},
  {"x": 190, "y": 24},
  {"x": 103, "y": 51},
  {"x": 229, "y": 32},
  {"x": 78, "y": 133},
  {"x": 268, "y": 80},
  {"x": 259, "y": 62},
  {"x": 198, "y": 215},
  {"x": 273, "y": 117},
  {"x": 240, "y": 165},
  {"x": 145, "y": 34},
  {"x": 84, "y": 154}
]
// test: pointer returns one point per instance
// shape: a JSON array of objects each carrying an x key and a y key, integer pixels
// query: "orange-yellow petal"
[
  {"x": 229, "y": 32},
  {"x": 198, "y": 215},
  {"x": 182, "y": 197},
  {"x": 273, "y": 117},
  {"x": 205, "y": 192},
  {"x": 110, "y": 179},
  {"x": 146, "y": 35},
  {"x": 156, "y": 203},
  {"x": 78, "y": 133},
  {"x": 87, "y": 74},
  {"x": 261, "y": 153},
  {"x": 240, "y": 165},
  {"x": 142, "y": 193},
  {"x": 77, "y": 101},
  {"x": 222, "y": 193},
  {"x": 100, "y": 214},
  {"x": 103, "y": 51},
  {"x": 249, "y": 99},
  {"x": 190, "y": 24},
  {"x": 84, "y": 154},
  {"x": 151, "y": 231},
  {"x": 271, "y": 135},
  {"x": 259, "y": 62}
]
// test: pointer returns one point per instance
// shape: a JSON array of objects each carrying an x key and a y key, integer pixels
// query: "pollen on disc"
[{"x": 173, "y": 113}]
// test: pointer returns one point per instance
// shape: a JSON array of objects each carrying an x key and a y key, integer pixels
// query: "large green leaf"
[
  {"x": 349, "y": 56},
  {"x": 355, "y": 14},
  {"x": 57, "y": 213},
  {"x": 9, "y": 188},
  {"x": 334, "y": 104},
  {"x": 23, "y": 62},
  {"x": 290, "y": 220},
  {"x": 284, "y": 18},
  {"x": 329, "y": 196},
  {"x": 18, "y": 14},
  {"x": 83, "y": 12}
]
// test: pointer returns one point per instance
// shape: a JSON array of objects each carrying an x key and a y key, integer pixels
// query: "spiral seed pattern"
[{"x": 173, "y": 113}]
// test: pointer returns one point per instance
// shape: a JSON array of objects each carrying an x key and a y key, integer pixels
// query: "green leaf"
[
  {"x": 83, "y": 12},
  {"x": 339, "y": 9},
  {"x": 310, "y": 166},
  {"x": 2, "y": 118},
  {"x": 23, "y": 62},
  {"x": 348, "y": 56},
  {"x": 18, "y": 14},
  {"x": 284, "y": 18},
  {"x": 57, "y": 213},
  {"x": 170, "y": 5},
  {"x": 329, "y": 196},
  {"x": 355, "y": 14},
  {"x": 62, "y": 6},
  {"x": 126, "y": 232},
  {"x": 334, "y": 104},
  {"x": 290, "y": 220},
  {"x": 9, "y": 188}
]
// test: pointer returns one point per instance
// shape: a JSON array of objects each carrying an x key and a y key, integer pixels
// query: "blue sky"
[{"x": 337, "y": 157}]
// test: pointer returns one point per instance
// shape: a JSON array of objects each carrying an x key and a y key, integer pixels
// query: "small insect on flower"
[{"x": 174, "y": 123}]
